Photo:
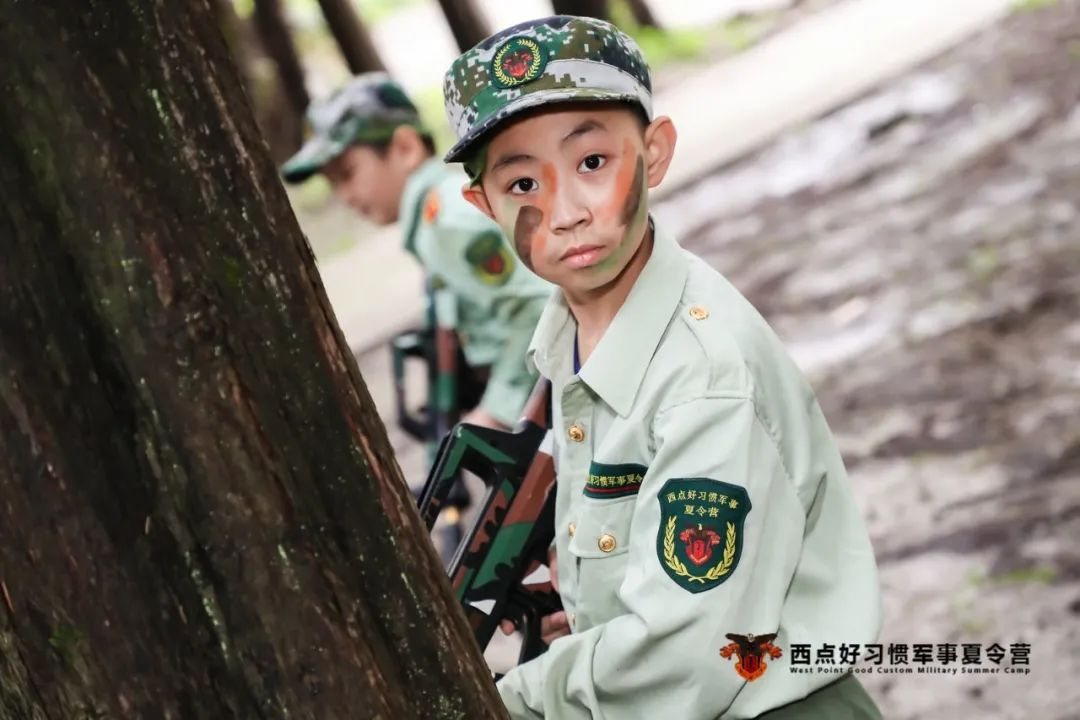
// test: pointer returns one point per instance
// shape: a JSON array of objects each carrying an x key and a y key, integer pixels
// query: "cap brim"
[
  {"x": 463, "y": 148},
  {"x": 310, "y": 159}
]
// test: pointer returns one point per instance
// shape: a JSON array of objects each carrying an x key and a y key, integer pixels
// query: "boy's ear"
[
  {"x": 660, "y": 137},
  {"x": 475, "y": 195}
]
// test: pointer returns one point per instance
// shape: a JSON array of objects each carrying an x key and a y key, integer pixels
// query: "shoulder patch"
[
  {"x": 700, "y": 539},
  {"x": 489, "y": 259},
  {"x": 431, "y": 206},
  {"x": 614, "y": 481}
]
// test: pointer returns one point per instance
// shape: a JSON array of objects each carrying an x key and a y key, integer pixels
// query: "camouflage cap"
[
  {"x": 366, "y": 109},
  {"x": 554, "y": 59}
]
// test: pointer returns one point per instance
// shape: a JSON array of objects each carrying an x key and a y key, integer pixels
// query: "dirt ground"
[{"x": 919, "y": 252}]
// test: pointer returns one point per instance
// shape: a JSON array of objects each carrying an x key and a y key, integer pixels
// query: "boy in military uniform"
[
  {"x": 704, "y": 519},
  {"x": 367, "y": 139}
]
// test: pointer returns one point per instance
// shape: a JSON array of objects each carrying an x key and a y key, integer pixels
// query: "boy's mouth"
[{"x": 580, "y": 256}]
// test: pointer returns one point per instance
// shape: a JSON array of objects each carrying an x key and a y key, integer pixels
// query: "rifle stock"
[{"x": 514, "y": 525}]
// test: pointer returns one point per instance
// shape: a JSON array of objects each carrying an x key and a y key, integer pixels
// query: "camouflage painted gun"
[{"x": 514, "y": 526}]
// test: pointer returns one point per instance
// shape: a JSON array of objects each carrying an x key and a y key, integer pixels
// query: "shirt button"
[
  {"x": 571, "y": 528},
  {"x": 606, "y": 543},
  {"x": 698, "y": 313},
  {"x": 576, "y": 433}
]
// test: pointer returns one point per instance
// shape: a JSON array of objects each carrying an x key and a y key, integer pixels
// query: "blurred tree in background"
[
  {"x": 277, "y": 42},
  {"x": 466, "y": 22},
  {"x": 602, "y": 9},
  {"x": 351, "y": 36}
]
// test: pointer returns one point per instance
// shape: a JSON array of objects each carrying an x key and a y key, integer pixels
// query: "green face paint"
[{"x": 633, "y": 214}]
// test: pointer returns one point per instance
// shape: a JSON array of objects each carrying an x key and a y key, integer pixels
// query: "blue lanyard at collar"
[{"x": 577, "y": 362}]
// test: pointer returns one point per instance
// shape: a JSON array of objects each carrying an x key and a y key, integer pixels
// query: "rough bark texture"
[
  {"x": 466, "y": 22},
  {"x": 200, "y": 516},
  {"x": 351, "y": 36}
]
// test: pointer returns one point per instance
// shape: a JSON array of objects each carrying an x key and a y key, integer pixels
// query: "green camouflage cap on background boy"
[
  {"x": 555, "y": 59},
  {"x": 366, "y": 110}
]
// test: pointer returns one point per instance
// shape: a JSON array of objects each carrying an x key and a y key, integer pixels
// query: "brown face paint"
[
  {"x": 528, "y": 228},
  {"x": 615, "y": 208},
  {"x": 633, "y": 198},
  {"x": 528, "y": 220},
  {"x": 629, "y": 199}
]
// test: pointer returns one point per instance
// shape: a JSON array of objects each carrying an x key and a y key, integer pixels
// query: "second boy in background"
[{"x": 369, "y": 142}]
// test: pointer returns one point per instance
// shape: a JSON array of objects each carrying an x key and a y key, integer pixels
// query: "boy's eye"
[
  {"x": 591, "y": 163},
  {"x": 522, "y": 186}
]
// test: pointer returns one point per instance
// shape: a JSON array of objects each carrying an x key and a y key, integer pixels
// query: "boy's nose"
[{"x": 568, "y": 211}]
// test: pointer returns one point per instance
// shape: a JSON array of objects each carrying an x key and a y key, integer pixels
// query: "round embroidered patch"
[
  {"x": 431, "y": 206},
  {"x": 518, "y": 61},
  {"x": 489, "y": 259}
]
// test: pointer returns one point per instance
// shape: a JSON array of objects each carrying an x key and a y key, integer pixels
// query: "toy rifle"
[
  {"x": 514, "y": 525},
  {"x": 451, "y": 385}
]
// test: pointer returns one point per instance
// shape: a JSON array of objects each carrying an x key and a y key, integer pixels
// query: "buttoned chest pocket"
[{"x": 599, "y": 546}]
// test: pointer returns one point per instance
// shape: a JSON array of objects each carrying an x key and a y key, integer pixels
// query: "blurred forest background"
[{"x": 895, "y": 184}]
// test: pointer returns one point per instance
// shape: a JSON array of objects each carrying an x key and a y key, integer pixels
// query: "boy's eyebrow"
[
  {"x": 510, "y": 160},
  {"x": 583, "y": 127}
]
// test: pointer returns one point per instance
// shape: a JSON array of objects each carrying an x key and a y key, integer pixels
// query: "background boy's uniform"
[
  {"x": 700, "y": 492},
  {"x": 479, "y": 288}
]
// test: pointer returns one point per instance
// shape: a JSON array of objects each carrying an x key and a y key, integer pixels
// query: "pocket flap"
[{"x": 601, "y": 527}]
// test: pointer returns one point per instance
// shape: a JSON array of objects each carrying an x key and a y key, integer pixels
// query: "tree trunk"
[
  {"x": 466, "y": 22},
  {"x": 200, "y": 514},
  {"x": 351, "y": 36},
  {"x": 642, "y": 13},
  {"x": 586, "y": 8},
  {"x": 274, "y": 34}
]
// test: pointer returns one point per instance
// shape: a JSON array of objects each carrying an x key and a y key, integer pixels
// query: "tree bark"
[
  {"x": 200, "y": 514},
  {"x": 466, "y": 22},
  {"x": 351, "y": 36},
  {"x": 277, "y": 42},
  {"x": 586, "y": 8}
]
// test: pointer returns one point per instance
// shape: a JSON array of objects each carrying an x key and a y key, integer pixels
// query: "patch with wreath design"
[
  {"x": 701, "y": 531},
  {"x": 517, "y": 61}
]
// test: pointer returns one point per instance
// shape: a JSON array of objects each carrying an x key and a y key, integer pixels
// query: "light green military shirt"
[
  {"x": 700, "y": 493},
  {"x": 480, "y": 288}
]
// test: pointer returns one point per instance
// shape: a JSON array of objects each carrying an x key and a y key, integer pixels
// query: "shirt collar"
[
  {"x": 412, "y": 198},
  {"x": 617, "y": 365}
]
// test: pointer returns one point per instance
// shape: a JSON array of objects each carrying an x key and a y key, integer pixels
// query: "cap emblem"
[{"x": 518, "y": 61}]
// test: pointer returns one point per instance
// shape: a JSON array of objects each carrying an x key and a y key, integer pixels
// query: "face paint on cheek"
[
  {"x": 528, "y": 231},
  {"x": 528, "y": 222},
  {"x": 636, "y": 195},
  {"x": 633, "y": 206}
]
